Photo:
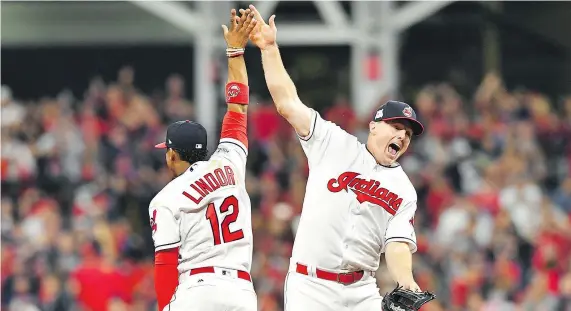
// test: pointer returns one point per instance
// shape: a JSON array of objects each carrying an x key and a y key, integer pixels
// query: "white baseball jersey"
[
  {"x": 207, "y": 212},
  {"x": 353, "y": 206}
]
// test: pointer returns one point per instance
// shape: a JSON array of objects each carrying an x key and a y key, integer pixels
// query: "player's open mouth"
[{"x": 394, "y": 149}]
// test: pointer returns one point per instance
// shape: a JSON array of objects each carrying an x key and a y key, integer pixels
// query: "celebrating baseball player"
[
  {"x": 358, "y": 204},
  {"x": 201, "y": 220}
]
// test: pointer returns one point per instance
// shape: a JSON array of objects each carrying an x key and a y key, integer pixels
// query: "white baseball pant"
[
  {"x": 219, "y": 291},
  {"x": 305, "y": 292}
]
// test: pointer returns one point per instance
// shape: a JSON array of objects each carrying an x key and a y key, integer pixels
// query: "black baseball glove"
[{"x": 401, "y": 299}]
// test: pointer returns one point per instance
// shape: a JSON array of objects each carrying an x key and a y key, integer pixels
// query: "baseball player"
[
  {"x": 359, "y": 203},
  {"x": 201, "y": 220}
]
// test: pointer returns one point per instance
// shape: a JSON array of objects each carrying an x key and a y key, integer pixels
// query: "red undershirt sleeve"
[
  {"x": 235, "y": 126},
  {"x": 166, "y": 275}
]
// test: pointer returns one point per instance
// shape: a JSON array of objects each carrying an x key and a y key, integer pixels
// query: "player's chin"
[{"x": 385, "y": 159}]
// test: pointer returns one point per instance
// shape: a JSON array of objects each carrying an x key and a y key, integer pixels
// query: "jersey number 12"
[{"x": 226, "y": 235}]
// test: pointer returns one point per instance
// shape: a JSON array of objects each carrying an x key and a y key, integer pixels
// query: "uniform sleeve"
[
  {"x": 233, "y": 144},
  {"x": 326, "y": 140},
  {"x": 230, "y": 151},
  {"x": 165, "y": 228},
  {"x": 401, "y": 227}
]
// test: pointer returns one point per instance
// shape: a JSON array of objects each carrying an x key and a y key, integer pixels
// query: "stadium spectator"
[{"x": 492, "y": 174}]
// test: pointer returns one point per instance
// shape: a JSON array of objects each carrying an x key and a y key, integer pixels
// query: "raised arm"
[
  {"x": 234, "y": 125},
  {"x": 280, "y": 85},
  {"x": 236, "y": 39}
]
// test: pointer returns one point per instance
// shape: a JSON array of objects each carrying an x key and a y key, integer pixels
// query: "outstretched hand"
[
  {"x": 401, "y": 299},
  {"x": 240, "y": 28},
  {"x": 411, "y": 285},
  {"x": 264, "y": 34}
]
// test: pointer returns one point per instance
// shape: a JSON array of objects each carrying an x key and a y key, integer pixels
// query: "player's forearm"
[
  {"x": 399, "y": 262},
  {"x": 237, "y": 73},
  {"x": 284, "y": 93},
  {"x": 281, "y": 87}
]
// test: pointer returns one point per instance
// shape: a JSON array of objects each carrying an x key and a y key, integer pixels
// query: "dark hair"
[{"x": 191, "y": 156}]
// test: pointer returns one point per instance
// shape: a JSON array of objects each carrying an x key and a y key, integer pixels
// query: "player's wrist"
[
  {"x": 270, "y": 47},
  {"x": 232, "y": 52},
  {"x": 237, "y": 93},
  {"x": 405, "y": 280}
]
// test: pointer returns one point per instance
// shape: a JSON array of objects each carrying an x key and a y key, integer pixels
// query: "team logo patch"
[
  {"x": 154, "y": 221},
  {"x": 379, "y": 114},
  {"x": 407, "y": 112},
  {"x": 233, "y": 91}
]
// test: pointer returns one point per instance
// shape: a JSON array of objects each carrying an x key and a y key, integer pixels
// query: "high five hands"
[
  {"x": 250, "y": 25},
  {"x": 240, "y": 28},
  {"x": 264, "y": 34}
]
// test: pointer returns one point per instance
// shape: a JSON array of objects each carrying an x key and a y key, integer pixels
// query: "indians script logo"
[
  {"x": 366, "y": 191},
  {"x": 154, "y": 221}
]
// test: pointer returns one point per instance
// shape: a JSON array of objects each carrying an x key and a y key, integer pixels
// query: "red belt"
[
  {"x": 343, "y": 278},
  {"x": 241, "y": 274}
]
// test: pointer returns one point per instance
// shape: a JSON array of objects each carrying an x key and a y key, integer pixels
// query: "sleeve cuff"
[
  {"x": 411, "y": 243},
  {"x": 167, "y": 246},
  {"x": 311, "y": 128},
  {"x": 236, "y": 143}
]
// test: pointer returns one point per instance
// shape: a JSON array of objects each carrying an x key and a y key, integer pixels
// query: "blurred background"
[{"x": 89, "y": 87}]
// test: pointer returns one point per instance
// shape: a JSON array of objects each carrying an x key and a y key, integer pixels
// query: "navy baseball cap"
[
  {"x": 395, "y": 110},
  {"x": 185, "y": 135}
]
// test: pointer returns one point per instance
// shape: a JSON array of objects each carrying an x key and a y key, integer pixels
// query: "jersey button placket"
[
  {"x": 355, "y": 211},
  {"x": 348, "y": 233},
  {"x": 349, "y": 230}
]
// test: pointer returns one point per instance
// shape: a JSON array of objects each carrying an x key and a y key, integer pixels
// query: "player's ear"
[
  {"x": 372, "y": 126},
  {"x": 172, "y": 155}
]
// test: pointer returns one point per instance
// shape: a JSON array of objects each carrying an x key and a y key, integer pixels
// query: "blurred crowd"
[{"x": 492, "y": 174}]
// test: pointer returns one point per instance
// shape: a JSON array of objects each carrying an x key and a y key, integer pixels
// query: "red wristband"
[{"x": 237, "y": 93}]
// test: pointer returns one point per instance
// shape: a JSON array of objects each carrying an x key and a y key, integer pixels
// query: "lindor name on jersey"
[
  {"x": 211, "y": 182},
  {"x": 366, "y": 191}
]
